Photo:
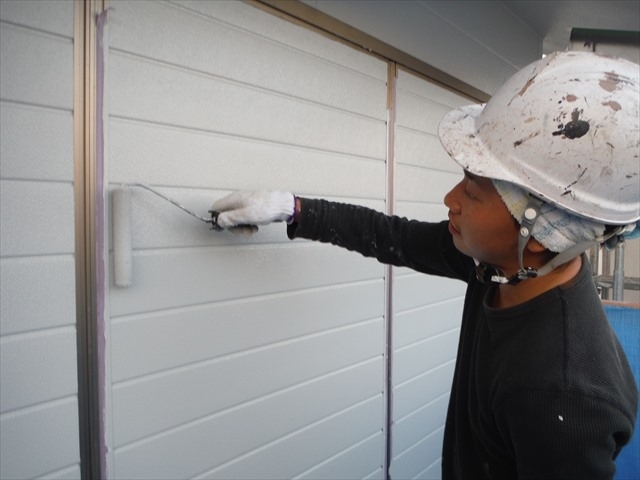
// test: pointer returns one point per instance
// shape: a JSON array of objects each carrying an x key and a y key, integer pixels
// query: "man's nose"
[{"x": 451, "y": 199}]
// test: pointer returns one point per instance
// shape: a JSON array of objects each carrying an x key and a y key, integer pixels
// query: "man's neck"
[{"x": 512, "y": 295}]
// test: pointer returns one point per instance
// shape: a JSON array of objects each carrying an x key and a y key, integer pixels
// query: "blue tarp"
[{"x": 626, "y": 323}]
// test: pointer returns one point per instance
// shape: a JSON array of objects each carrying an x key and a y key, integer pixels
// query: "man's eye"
[{"x": 466, "y": 192}]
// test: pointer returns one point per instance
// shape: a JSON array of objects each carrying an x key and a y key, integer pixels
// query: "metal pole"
[
  {"x": 618, "y": 272},
  {"x": 606, "y": 270}
]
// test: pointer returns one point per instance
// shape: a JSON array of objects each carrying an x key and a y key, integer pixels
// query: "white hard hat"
[{"x": 565, "y": 128}]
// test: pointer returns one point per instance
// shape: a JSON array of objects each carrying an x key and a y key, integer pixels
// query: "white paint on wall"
[
  {"x": 38, "y": 360},
  {"x": 251, "y": 357}
]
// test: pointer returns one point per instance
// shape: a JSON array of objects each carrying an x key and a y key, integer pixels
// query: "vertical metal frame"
[
  {"x": 84, "y": 118},
  {"x": 392, "y": 77}
]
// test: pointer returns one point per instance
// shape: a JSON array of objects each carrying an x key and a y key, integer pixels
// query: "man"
[{"x": 542, "y": 388}]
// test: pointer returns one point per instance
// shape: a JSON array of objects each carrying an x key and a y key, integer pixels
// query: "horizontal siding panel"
[
  {"x": 221, "y": 329},
  {"x": 193, "y": 392},
  {"x": 422, "y": 390},
  {"x": 27, "y": 450},
  {"x": 416, "y": 289},
  {"x": 37, "y": 368},
  {"x": 420, "y": 459},
  {"x": 419, "y": 113},
  {"x": 53, "y": 17},
  {"x": 432, "y": 472},
  {"x": 414, "y": 85},
  {"x": 273, "y": 28},
  {"x": 420, "y": 424},
  {"x": 426, "y": 321},
  {"x": 36, "y": 68},
  {"x": 37, "y": 143},
  {"x": 170, "y": 279},
  {"x": 50, "y": 280},
  {"x": 70, "y": 473},
  {"x": 376, "y": 475},
  {"x": 415, "y": 359},
  {"x": 354, "y": 462},
  {"x": 224, "y": 107},
  {"x": 141, "y": 28},
  {"x": 423, "y": 150},
  {"x": 292, "y": 455},
  {"x": 152, "y": 154},
  {"x": 37, "y": 218},
  {"x": 274, "y": 451},
  {"x": 423, "y": 185}
]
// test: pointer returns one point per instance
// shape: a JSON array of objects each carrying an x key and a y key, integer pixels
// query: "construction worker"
[{"x": 542, "y": 388}]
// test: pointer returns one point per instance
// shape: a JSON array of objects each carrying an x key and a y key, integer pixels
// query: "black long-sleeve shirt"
[{"x": 541, "y": 390}]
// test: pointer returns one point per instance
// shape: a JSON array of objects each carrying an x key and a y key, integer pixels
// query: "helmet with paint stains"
[{"x": 565, "y": 128}]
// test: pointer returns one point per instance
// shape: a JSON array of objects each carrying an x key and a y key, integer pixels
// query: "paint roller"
[{"x": 121, "y": 222}]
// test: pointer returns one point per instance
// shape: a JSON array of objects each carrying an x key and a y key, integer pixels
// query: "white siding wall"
[
  {"x": 237, "y": 357},
  {"x": 38, "y": 372},
  {"x": 426, "y": 309},
  {"x": 230, "y": 357}
]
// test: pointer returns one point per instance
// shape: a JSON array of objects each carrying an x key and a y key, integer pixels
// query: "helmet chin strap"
[{"x": 489, "y": 274}]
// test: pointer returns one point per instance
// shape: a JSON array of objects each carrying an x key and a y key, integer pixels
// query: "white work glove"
[{"x": 244, "y": 210}]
